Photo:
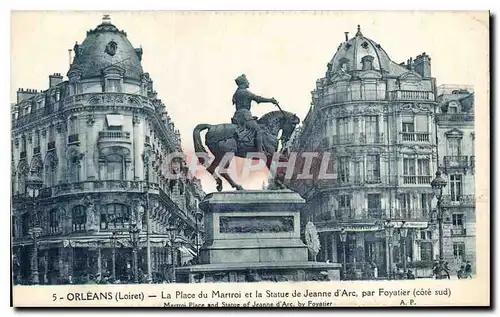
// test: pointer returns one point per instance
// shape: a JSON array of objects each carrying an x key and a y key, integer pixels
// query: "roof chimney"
[
  {"x": 23, "y": 94},
  {"x": 55, "y": 79},
  {"x": 106, "y": 19},
  {"x": 346, "y": 36}
]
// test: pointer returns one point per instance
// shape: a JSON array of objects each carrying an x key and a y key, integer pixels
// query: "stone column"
[
  {"x": 46, "y": 266},
  {"x": 333, "y": 239},
  {"x": 60, "y": 259},
  {"x": 60, "y": 138},
  {"x": 99, "y": 261},
  {"x": 138, "y": 148},
  {"x": 324, "y": 245},
  {"x": 89, "y": 144}
]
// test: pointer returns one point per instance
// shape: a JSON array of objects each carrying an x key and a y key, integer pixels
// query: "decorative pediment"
[
  {"x": 113, "y": 70},
  {"x": 410, "y": 76},
  {"x": 369, "y": 74},
  {"x": 454, "y": 133}
]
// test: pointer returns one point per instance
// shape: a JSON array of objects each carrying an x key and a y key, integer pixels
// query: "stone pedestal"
[{"x": 254, "y": 236}]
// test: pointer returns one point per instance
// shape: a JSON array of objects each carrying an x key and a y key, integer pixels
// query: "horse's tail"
[{"x": 198, "y": 145}]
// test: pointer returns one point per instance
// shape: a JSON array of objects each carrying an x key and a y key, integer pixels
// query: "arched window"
[
  {"x": 113, "y": 167},
  {"x": 54, "y": 224},
  {"x": 50, "y": 170},
  {"x": 115, "y": 216},
  {"x": 74, "y": 169},
  {"x": 79, "y": 218}
]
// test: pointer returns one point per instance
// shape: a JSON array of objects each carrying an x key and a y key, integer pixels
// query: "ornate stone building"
[
  {"x": 100, "y": 142},
  {"x": 376, "y": 118},
  {"x": 455, "y": 130}
]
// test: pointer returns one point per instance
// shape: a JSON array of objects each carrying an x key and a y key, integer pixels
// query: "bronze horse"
[{"x": 229, "y": 138}]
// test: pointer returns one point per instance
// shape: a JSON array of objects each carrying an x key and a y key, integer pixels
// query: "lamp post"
[
  {"x": 171, "y": 237},
  {"x": 114, "y": 238},
  {"x": 343, "y": 239},
  {"x": 199, "y": 217},
  {"x": 403, "y": 233},
  {"x": 134, "y": 240},
  {"x": 389, "y": 233},
  {"x": 145, "y": 158},
  {"x": 33, "y": 185},
  {"x": 437, "y": 185}
]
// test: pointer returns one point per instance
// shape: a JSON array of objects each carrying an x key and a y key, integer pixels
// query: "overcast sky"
[{"x": 193, "y": 58}]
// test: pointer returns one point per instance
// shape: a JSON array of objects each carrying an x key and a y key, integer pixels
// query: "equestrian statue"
[{"x": 246, "y": 133}]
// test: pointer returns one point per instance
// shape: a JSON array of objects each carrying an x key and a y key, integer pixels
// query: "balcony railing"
[
  {"x": 416, "y": 179},
  {"x": 415, "y": 136},
  {"x": 51, "y": 145},
  {"x": 347, "y": 96},
  {"x": 456, "y": 117},
  {"x": 374, "y": 213},
  {"x": 114, "y": 135},
  {"x": 411, "y": 95},
  {"x": 371, "y": 138},
  {"x": 459, "y": 200},
  {"x": 357, "y": 181},
  {"x": 343, "y": 139},
  {"x": 412, "y": 214},
  {"x": 458, "y": 231},
  {"x": 73, "y": 139},
  {"x": 456, "y": 161}
]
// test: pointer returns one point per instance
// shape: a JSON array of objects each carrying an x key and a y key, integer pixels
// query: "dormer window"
[
  {"x": 453, "y": 107},
  {"x": 344, "y": 64},
  {"x": 113, "y": 85},
  {"x": 367, "y": 62}
]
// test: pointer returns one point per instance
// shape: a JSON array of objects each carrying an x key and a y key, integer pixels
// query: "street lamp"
[
  {"x": 437, "y": 185},
  {"x": 171, "y": 237},
  {"x": 145, "y": 158},
  {"x": 114, "y": 238},
  {"x": 33, "y": 185},
  {"x": 134, "y": 240},
  {"x": 389, "y": 233},
  {"x": 199, "y": 218},
  {"x": 403, "y": 233},
  {"x": 343, "y": 239}
]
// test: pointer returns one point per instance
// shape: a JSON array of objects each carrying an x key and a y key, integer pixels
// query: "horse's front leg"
[
  {"x": 228, "y": 178},
  {"x": 211, "y": 170}
]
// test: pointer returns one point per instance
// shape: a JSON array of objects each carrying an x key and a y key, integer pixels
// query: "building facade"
[
  {"x": 377, "y": 120},
  {"x": 100, "y": 143},
  {"x": 455, "y": 131}
]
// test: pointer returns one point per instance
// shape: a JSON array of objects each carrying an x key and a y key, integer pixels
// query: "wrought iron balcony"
[
  {"x": 374, "y": 213},
  {"x": 371, "y": 138},
  {"x": 416, "y": 179},
  {"x": 455, "y": 117},
  {"x": 456, "y": 162},
  {"x": 415, "y": 136},
  {"x": 459, "y": 200},
  {"x": 411, "y": 95},
  {"x": 51, "y": 146},
  {"x": 458, "y": 231},
  {"x": 347, "y": 96},
  {"x": 343, "y": 139},
  {"x": 412, "y": 214},
  {"x": 73, "y": 139}
]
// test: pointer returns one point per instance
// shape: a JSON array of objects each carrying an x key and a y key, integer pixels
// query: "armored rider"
[{"x": 242, "y": 99}]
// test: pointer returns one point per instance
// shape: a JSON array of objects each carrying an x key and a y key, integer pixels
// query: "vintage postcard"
[{"x": 250, "y": 159}]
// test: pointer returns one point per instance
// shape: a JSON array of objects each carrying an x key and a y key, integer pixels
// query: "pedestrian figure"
[
  {"x": 446, "y": 269},
  {"x": 468, "y": 270}
]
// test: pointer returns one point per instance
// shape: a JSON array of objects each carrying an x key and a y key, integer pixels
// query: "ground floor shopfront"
[
  {"x": 58, "y": 264},
  {"x": 365, "y": 250}
]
